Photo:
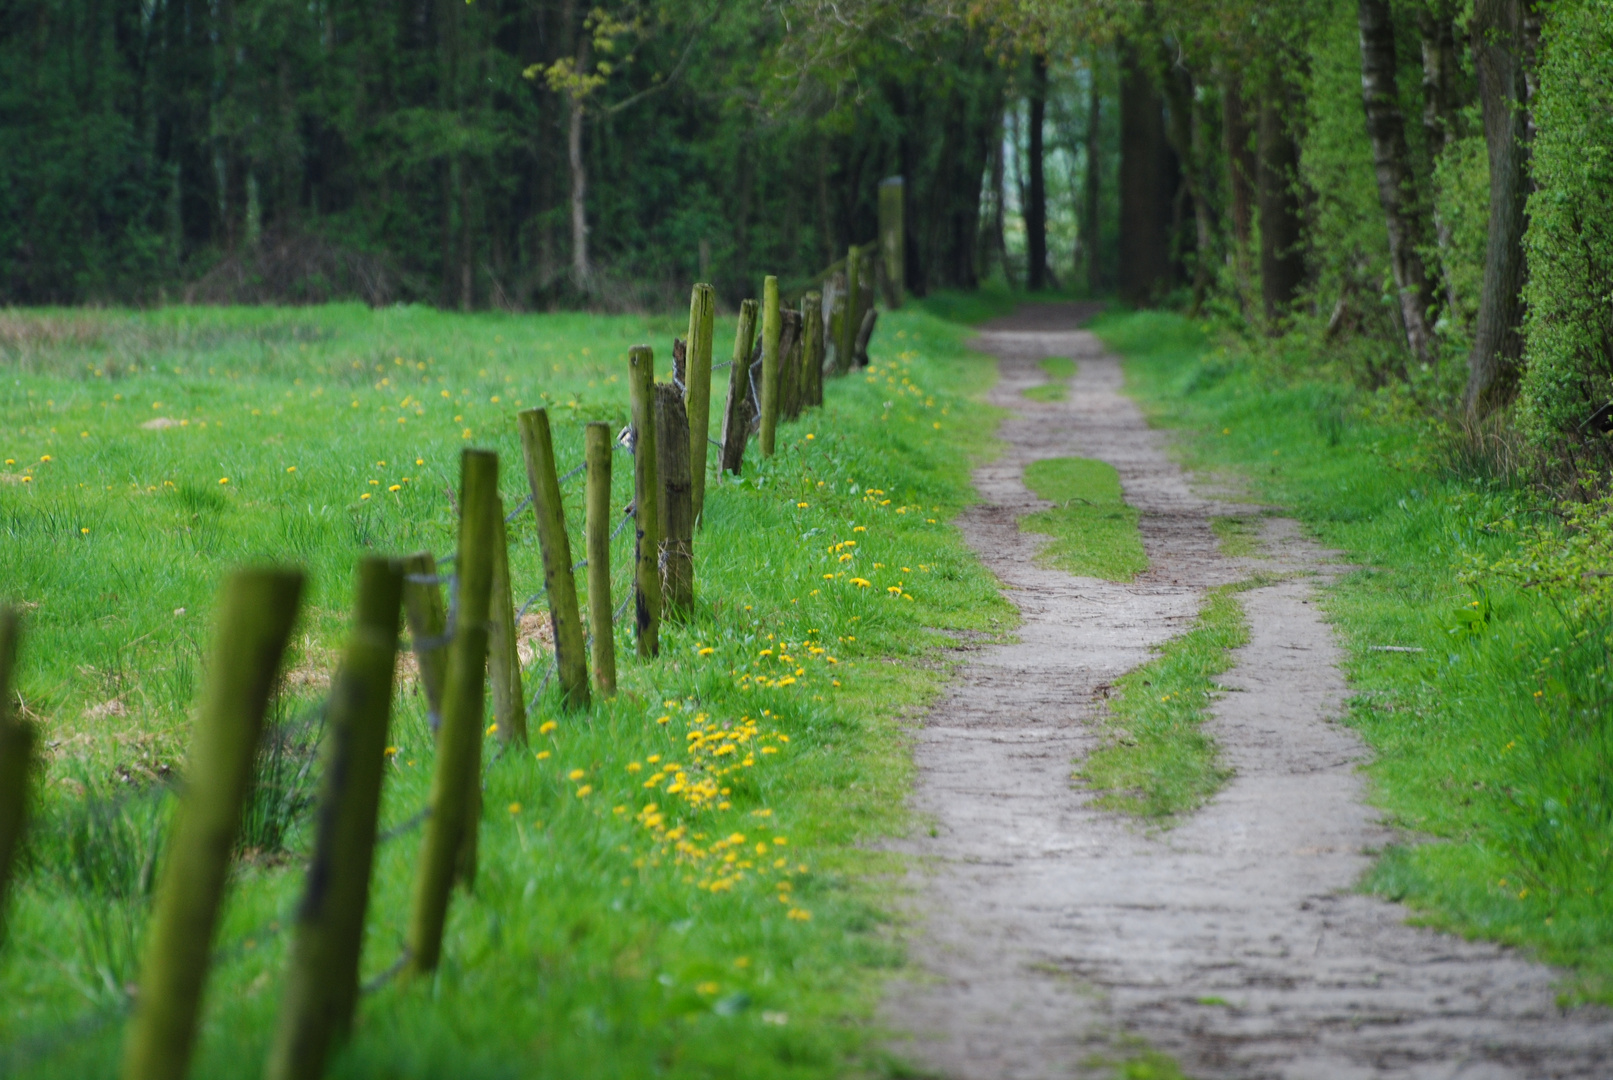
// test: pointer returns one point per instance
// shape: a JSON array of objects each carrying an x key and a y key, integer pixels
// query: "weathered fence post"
[
  {"x": 571, "y": 663},
  {"x": 17, "y": 740},
  {"x": 837, "y": 328},
  {"x": 428, "y": 627},
  {"x": 321, "y": 988},
  {"x": 503, "y": 656},
  {"x": 646, "y": 501},
  {"x": 811, "y": 350},
  {"x": 772, "y": 329},
  {"x": 789, "y": 351},
  {"x": 865, "y": 334},
  {"x": 457, "y": 776},
  {"x": 256, "y": 610},
  {"x": 853, "y": 311},
  {"x": 736, "y": 417},
  {"x": 892, "y": 240},
  {"x": 677, "y": 514},
  {"x": 596, "y": 549},
  {"x": 697, "y": 380}
]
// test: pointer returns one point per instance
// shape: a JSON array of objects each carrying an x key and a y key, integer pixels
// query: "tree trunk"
[
  {"x": 1386, "y": 127},
  {"x": 1237, "y": 139},
  {"x": 999, "y": 193},
  {"x": 1282, "y": 261},
  {"x": 1436, "y": 24},
  {"x": 1090, "y": 195},
  {"x": 1497, "y": 28},
  {"x": 1185, "y": 137},
  {"x": 1145, "y": 195},
  {"x": 581, "y": 272},
  {"x": 1036, "y": 195}
]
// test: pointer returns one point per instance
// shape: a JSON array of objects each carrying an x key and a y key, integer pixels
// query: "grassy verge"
[
  {"x": 1094, "y": 531},
  {"x": 1492, "y": 722},
  {"x": 1155, "y": 762},
  {"x": 623, "y": 924}
]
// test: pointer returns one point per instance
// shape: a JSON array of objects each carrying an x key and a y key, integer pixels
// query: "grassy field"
[
  {"x": 618, "y": 927},
  {"x": 1477, "y": 653}
]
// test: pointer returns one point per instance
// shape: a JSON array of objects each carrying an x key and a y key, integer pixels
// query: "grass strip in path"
[
  {"x": 678, "y": 883},
  {"x": 1156, "y": 762},
  {"x": 1487, "y": 701},
  {"x": 1094, "y": 531},
  {"x": 1060, "y": 369}
]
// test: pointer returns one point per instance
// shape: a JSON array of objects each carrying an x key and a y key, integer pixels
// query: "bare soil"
[{"x": 1055, "y": 939}]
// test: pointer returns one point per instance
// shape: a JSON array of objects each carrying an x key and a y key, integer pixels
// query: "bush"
[{"x": 1570, "y": 241}]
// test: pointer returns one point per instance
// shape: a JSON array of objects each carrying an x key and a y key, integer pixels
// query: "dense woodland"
[{"x": 1418, "y": 190}]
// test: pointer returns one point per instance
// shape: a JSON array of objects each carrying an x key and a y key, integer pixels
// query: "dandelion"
[
  {"x": 542, "y": 754},
  {"x": 861, "y": 583},
  {"x": 291, "y": 468},
  {"x": 223, "y": 479},
  {"x": 707, "y": 651},
  {"x": 84, "y": 532},
  {"x": 364, "y": 496},
  {"x": 800, "y": 506},
  {"x": 395, "y": 487},
  {"x": 515, "y": 808},
  {"x": 585, "y": 791},
  {"x": 546, "y": 727},
  {"x": 799, "y": 915},
  {"x": 575, "y": 774}
]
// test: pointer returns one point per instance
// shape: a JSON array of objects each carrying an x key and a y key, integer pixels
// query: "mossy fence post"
[
  {"x": 736, "y": 416},
  {"x": 892, "y": 240},
  {"x": 596, "y": 530},
  {"x": 789, "y": 351},
  {"x": 17, "y": 739},
  {"x": 697, "y": 390},
  {"x": 646, "y": 502},
  {"x": 772, "y": 331},
  {"x": 321, "y": 988},
  {"x": 812, "y": 350},
  {"x": 428, "y": 623},
  {"x": 676, "y": 503},
  {"x": 836, "y": 335},
  {"x": 845, "y": 346},
  {"x": 503, "y": 654},
  {"x": 459, "y": 744},
  {"x": 256, "y": 611},
  {"x": 571, "y": 661}
]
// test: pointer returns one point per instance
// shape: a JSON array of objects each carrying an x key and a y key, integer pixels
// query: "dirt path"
[{"x": 1056, "y": 935}]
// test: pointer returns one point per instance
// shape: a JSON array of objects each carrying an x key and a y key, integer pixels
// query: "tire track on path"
[{"x": 1053, "y": 936}]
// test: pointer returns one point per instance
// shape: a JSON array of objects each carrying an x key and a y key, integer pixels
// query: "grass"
[
  {"x": 1494, "y": 743},
  {"x": 1094, "y": 531},
  {"x": 1238, "y": 536},
  {"x": 1059, "y": 369},
  {"x": 591, "y": 946},
  {"x": 1155, "y": 761}
]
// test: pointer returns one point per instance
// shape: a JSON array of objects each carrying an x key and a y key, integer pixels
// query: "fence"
[{"x": 461, "y": 648}]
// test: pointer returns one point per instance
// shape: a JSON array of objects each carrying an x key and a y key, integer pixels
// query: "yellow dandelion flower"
[
  {"x": 585, "y": 791},
  {"x": 546, "y": 727},
  {"x": 575, "y": 774},
  {"x": 542, "y": 754},
  {"x": 515, "y": 808}
]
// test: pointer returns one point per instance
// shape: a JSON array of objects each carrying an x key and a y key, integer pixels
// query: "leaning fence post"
[
  {"x": 772, "y": 329},
  {"x": 864, "y": 335},
  {"x": 811, "y": 350},
  {"x": 736, "y": 417},
  {"x": 697, "y": 378},
  {"x": 428, "y": 627},
  {"x": 596, "y": 549},
  {"x": 321, "y": 988},
  {"x": 892, "y": 240},
  {"x": 256, "y": 610},
  {"x": 677, "y": 514},
  {"x": 558, "y": 577},
  {"x": 646, "y": 500},
  {"x": 503, "y": 656},
  {"x": 17, "y": 740},
  {"x": 853, "y": 311},
  {"x": 459, "y": 744}
]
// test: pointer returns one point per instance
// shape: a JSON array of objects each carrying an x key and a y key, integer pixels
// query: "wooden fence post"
[
  {"x": 772, "y": 330},
  {"x": 321, "y": 988},
  {"x": 697, "y": 380},
  {"x": 456, "y": 780},
  {"x": 17, "y": 739},
  {"x": 646, "y": 501},
  {"x": 571, "y": 661},
  {"x": 853, "y": 313},
  {"x": 428, "y": 625},
  {"x": 892, "y": 240},
  {"x": 256, "y": 611},
  {"x": 736, "y": 417},
  {"x": 789, "y": 351},
  {"x": 677, "y": 513},
  {"x": 503, "y": 657},
  {"x": 865, "y": 334},
  {"x": 837, "y": 330},
  {"x": 811, "y": 350},
  {"x": 596, "y": 549}
]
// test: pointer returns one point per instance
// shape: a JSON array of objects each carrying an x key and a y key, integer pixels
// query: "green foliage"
[
  {"x": 1094, "y": 531},
  {"x": 1156, "y": 762},
  {"x": 591, "y": 945},
  {"x": 1494, "y": 738},
  {"x": 1570, "y": 239},
  {"x": 1462, "y": 206}
]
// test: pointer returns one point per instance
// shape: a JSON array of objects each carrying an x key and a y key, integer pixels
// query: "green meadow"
[{"x": 617, "y": 926}]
